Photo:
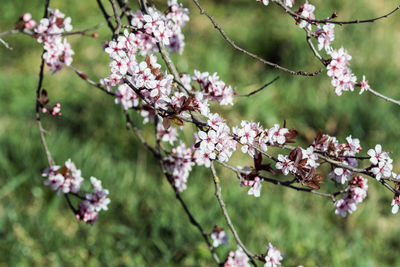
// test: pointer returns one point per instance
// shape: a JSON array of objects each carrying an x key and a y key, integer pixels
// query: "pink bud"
[
  {"x": 44, "y": 110},
  {"x": 53, "y": 113},
  {"x": 26, "y": 17},
  {"x": 95, "y": 35},
  {"x": 30, "y": 24}
]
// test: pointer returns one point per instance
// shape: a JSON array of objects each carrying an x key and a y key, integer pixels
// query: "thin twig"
[
  {"x": 106, "y": 16},
  {"x": 315, "y": 52},
  {"x": 157, "y": 155},
  {"x": 117, "y": 19},
  {"x": 12, "y": 31},
  {"x": 221, "y": 202},
  {"x": 75, "y": 211},
  {"x": 284, "y": 183},
  {"x": 232, "y": 43},
  {"x": 386, "y": 98},
  {"x": 91, "y": 82},
  {"x": 259, "y": 89},
  {"x": 131, "y": 125},
  {"x": 298, "y": 17},
  {"x": 5, "y": 44}
]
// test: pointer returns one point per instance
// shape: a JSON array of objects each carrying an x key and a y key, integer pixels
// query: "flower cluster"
[
  {"x": 64, "y": 179},
  {"x": 342, "y": 77},
  {"x": 306, "y": 11},
  {"x": 156, "y": 27},
  {"x": 288, "y": 3},
  {"x": 26, "y": 21},
  {"x": 214, "y": 88},
  {"x": 285, "y": 164},
  {"x": 325, "y": 36},
  {"x": 179, "y": 16},
  {"x": 254, "y": 184},
  {"x": 216, "y": 143},
  {"x": 55, "y": 110},
  {"x": 142, "y": 81},
  {"x": 395, "y": 204},
  {"x": 345, "y": 153},
  {"x": 338, "y": 68},
  {"x": 273, "y": 257},
  {"x": 381, "y": 161},
  {"x": 68, "y": 180},
  {"x": 49, "y": 31},
  {"x": 237, "y": 259},
  {"x": 167, "y": 135},
  {"x": 355, "y": 195},
  {"x": 180, "y": 163},
  {"x": 251, "y": 134},
  {"x": 95, "y": 202},
  {"x": 219, "y": 237},
  {"x": 247, "y": 135}
]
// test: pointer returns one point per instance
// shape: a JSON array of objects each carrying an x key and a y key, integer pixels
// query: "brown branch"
[
  {"x": 130, "y": 124},
  {"x": 117, "y": 19},
  {"x": 284, "y": 183},
  {"x": 75, "y": 211},
  {"x": 37, "y": 106},
  {"x": 315, "y": 52},
  {"x": 325, "y": 21},
  {"x": 106, "y": 16},
  {"x": 259, "y": 89},
  {"x": 157, "y": 155},
  {"x": 386, "y": 98},
  {"x": 232, "y": 43},
  {"x": 221, "y": 202},
  {"x": 91, "y": 82},
  {"x": 198, "y": 226}
]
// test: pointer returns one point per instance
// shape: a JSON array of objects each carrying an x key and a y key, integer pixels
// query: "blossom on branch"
[{"x": 273, "y": 258}]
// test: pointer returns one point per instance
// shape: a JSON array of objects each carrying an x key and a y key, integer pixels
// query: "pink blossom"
[
  {"x": 285, "y": 165},
  {"x": 237, "y": 259},
  {"x": 219, "y": 237},
  {"x": 364, "y": 86},
  {"x": 273, "y": 258},
  {"x": 395, "y": 204}
]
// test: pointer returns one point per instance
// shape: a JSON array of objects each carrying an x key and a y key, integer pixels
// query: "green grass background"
[{"x": 145, "y": 226}]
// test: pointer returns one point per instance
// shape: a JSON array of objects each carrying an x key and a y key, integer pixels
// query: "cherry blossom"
[
  {"x": 126, "y": 97},
  {"x": 219, "y": 237},
  {"x": 98, "y": 199},
  {"x": 255, "y": 186},
  {"x": 277, "y": 135},
  {"x": 212, "y": 86},
  {"x": 325, "y": 35},
  {"x": 65, "y": 179},
  {"x": 382, "y": 162},
  {"x": 355, "y": 195},
  {"x": 273, "y": 257},
  {"x": 86, "y": 213},
  {"x": 58, "y": 51},
  {"x": 237, "y": 259},
  {"x": 306, "y": 11},
  {"x": 265, "y": 2},
  {"x": 285, "y": 165},
  {"x": 395, "y": 204},
  {"x": 364, "y": 86},
  {"x": 288, "y": 3},
  {"x": 180, "y": 163},
  {"x": 167, "y": 135}
]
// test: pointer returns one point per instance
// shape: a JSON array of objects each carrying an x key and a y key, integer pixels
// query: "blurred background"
[{"x": 145, "y": 226}]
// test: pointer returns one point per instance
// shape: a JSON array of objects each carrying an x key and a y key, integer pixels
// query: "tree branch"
[{"x": 225, "y": 36}]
